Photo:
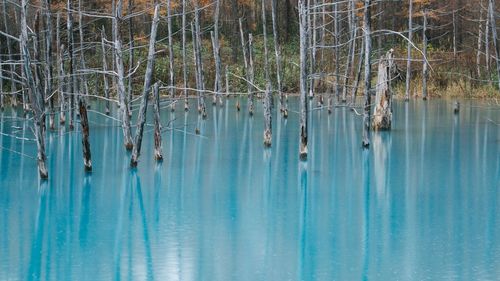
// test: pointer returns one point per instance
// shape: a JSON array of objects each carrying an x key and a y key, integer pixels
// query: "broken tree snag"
[
  {"x": 84, "y": 122},
  {"x": 303, "y": 20},
  {"x": 268, "y": 131},
  {"x": 368, "y": 49},
  {"x": 382, "y": 116},
  {"x": 141, "y": 120},
  {"x": 158, "y": 150},
  {"x": 36, "y": 98},
  {"x": 456, "y": 107},
  {"x": 127, "y": 134},
  {"x": 105, "y": 70}
]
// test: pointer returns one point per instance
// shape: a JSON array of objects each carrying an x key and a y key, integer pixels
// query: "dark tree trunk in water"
[
  {"x": 382, "y": 116},
  {"x": 268, "y": 130},
  {"x": 84, "y": 122},
  {"x": 141, "y": 120},
  {"x": 303, "y": 79},
  {"x": 368, "y": 49},
  {"x": 158, "y": 150}
]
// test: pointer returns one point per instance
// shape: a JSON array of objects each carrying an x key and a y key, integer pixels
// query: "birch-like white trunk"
[
  {"x": 303, "y": 26},
  {"x": 368, "y": 50}
]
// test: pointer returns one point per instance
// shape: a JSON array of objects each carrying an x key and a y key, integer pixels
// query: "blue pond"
[{"x": 422, "y": 203}]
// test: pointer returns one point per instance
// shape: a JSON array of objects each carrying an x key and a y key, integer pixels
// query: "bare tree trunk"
[
  {"x": 227, "y": 82},
  {"x": 127, "y": 134},
  {"x": 425, "y": 71},
  {"x": 37, "y": 103},
  {"x": 141, "y": 121},
  {"x": 352, "y": 49},
  {"x": 312, "y": 43},
  {"x": 408, "y": 63},
  {"x": 304, "y": 29},
  {"x": 170, "y": 52},
  {"x": 84, "y": 122},
  {"x": 337, "y": 50},
  {"x": 268, "y": 124},
  {"x": 130, "y": 89},
  {"x": 158, "y": 149},
  {"x": 247, "y": 67},
  {"x": 48, "y": 63},
  {"x": 216, "y": 48},
  {"x": 250, "y": 74},
  {"x": 105, "y": 70},
  {"x": 277, "y": 55},
  {"x": 368, "y": 50},
  {"x": 487, "y": 45},
  {"x": 495, "y": 37},
  {"x": 61, "y": 74},
  {"x": 83, "y": 77},
  {"x": 479, "y": 40},
  {"x": 73, "y": 83},
  {"x": 264, "y": 32},
  {"x": 200, "y": 81},
  {"x": 184, "y": 57},
  {"x": 358, "y": 72},
  {"x": 12, "y": 69},
  {"x": 382, "y": 116},
  {"x": 454, "y": 35}
]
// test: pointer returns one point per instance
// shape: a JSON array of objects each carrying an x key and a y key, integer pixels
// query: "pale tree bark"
[
  {"x": 141, "y": 119},
  {"x": 200, "y": 79},
  {"x": 408, "y": 62},
  {"x": 130, "y": 89},
  {"x": 48, "y": 63},
  {"x": 170, "y": 52},
  {"x": 425, "y": 72},
  {"x": 277, "y": 55},
  {"x": 36, "y": 99},
  {"x": 479, "y": 41},
  {"x": 158, "y": 150},
  {"x": 105, "y": 70},
  {"x": 217, "y": 59},
  {"x": 382, "y": 116},
  {"x": 336, "y": 27},
  {"x": 368, "y": 50},
  {"x": 312, "y": 42},
  {"x": 127, "y": 134},
  {"x": 12, "y": 68},
  {"x": 250, "y": 74},
  {"x": 264, "y": 33},
  {"x": 353, "y": 33},
  {"x": 61, "y": 74},
  {"x": 246, "y": 65},
  {"x": 83, "y": 77},
  {"x": 184, "y": 56},
  {"x": 304, "y": 29},
  {"x": 73, "y": 83}
]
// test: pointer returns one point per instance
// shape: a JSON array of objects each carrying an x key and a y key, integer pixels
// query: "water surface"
[{"x": 422, "y": 203}]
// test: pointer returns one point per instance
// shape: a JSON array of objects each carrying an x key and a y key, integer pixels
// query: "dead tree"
[
  {"x": 170, "y": 52},
  {"x": 268, "y": 123},
  {"x": 184, "y": 56},
  {"x": 127, "y": 134},
  {"x": 141, "y": 120},
  {"x": 277, "y": 55},
  {"x": 251, "y": 74},
  {"x": 368, "y": 50},
  {"x": 73, "y": 83},
  {"x": 61, "y": 74},
  {"x": 48, "y": 63},
  {"x": 247, "y": 67},
  {"x": 264, "y": 32},
  {"x": 158, "y": 149},
  {"x": 36, "y": 99},
  {"x": 84, "y": 122},
  {"x": 479, "y": 41},
  {"x": 130, "y": 9},
  {"x": 408, "y": 62},
  {"x": 200, "y": 79},
  {"x": 304, "y": 29},
  {"x": 217, "y": 59},
  {"x": 12, "y": 68},
  {"x": 382, "y": 116},
  {"x": 105, "y": 70},
  {"x": 83, "y": 78},
  {"x": 425, "y": 72}
]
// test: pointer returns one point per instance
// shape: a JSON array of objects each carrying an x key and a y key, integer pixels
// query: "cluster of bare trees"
[{"x": 51, "y": 73}]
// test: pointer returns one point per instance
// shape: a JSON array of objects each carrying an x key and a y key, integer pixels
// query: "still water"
[{"x": 422, "y": 203}]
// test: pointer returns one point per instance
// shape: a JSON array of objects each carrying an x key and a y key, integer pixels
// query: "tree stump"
[{"x": 382, "y": 116}]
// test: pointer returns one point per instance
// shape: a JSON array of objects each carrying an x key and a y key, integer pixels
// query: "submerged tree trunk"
[
  {"x": 303, "y": 80},
  {"x": 141, "y": 121},
  {"x": 368, "y": 50},
  {"x": 127, "y": 134},
  {"x": 84, "y": 122},
  {"x": 250, "y": 74},
  {"x": 158, "y": 149},
  {"x": 36, "y": 98},
  {"x": 130, "y": 53},
  {"x": 382, "y": 116},
  {"x": 408, "y": 63},
  {"x": 268, "y": 124},
  {"x": 184, "y": 56}
]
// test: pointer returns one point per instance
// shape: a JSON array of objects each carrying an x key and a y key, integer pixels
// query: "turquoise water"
[{"x": 422, "y": 203}]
